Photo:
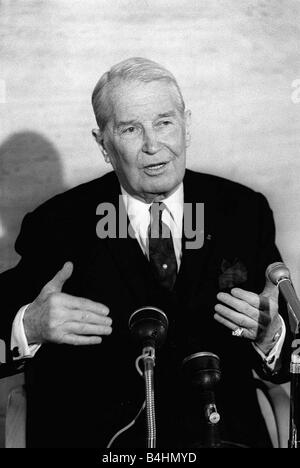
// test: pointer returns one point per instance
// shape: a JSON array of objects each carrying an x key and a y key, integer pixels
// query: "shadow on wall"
[{"x": 30, "y": 173}]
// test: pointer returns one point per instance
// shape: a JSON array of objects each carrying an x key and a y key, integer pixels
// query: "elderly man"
[{"x": 75, "y": 288}]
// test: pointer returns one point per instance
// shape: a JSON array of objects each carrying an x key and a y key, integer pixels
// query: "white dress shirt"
[{"x": 139, "y": 215}]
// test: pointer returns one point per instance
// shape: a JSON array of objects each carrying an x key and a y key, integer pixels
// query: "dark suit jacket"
[{"x": 81, "y": 396}]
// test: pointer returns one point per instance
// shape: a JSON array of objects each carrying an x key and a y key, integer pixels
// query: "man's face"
[{"x": 145, "y": 139}]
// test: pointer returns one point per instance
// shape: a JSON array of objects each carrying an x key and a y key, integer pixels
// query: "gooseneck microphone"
[
  {"x": 148, "y": 326},
  {"x": 279, "y": 275}
]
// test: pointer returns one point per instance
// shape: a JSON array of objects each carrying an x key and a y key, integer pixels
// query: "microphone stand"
[
  {"x": 212, "y": 418},
  {"x": 279, "y": 275},
  {"x": 294, "y": 430},
  {"x": 149, "y": 362},
  {"x": 149, "y": 325},
  {"x": 294, "y": 434}
]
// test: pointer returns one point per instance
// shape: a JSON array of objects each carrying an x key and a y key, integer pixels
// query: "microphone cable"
[{"x": 132, "y": 423}]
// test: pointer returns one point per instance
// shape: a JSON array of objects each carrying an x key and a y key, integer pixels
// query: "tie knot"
[
  {"x": 156, "y": 210},
  {"x": 157, "y": 228}
]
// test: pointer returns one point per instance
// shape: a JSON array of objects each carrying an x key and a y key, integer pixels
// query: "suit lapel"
[
  {"x": 133, "y": 265},
  {"x": 195, "y": 261},
  {"x": 127, "y": 255}
]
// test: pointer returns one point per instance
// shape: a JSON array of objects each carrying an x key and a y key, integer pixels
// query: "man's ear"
[
  {"x": 98, "y": 135},
  {"x": 188, "y": 119}
]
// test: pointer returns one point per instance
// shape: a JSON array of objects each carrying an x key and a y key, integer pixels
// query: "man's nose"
[{"x": 150, "y": 142}]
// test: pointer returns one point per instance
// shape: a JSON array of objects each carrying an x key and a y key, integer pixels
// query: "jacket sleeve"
[
  {"x": 41, "y": 257},
  {"x": 267, "y": 253}
]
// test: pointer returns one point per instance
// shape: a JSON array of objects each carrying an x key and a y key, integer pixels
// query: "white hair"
[{"x": 132, "y": 69}]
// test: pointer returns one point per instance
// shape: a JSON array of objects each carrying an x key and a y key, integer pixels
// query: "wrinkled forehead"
[{"x": 136, "y": 100}]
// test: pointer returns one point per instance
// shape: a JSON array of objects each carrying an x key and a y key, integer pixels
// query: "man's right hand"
[{"x": 60, "y": 318}]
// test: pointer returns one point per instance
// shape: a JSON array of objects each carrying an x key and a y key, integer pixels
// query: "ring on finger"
[{"x": 238, "y": 332}]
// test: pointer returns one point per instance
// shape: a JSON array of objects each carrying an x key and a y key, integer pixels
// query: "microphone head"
[
  {"x": 149, "y": 325},
  {"x": 276, "y": 272},
  {"x": 202, "y": 370}
]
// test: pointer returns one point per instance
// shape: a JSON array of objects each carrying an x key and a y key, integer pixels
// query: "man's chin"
[{"x": 161, "y": 187}]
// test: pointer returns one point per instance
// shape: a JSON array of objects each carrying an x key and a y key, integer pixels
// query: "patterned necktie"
[{"x": 161, "y": 248}]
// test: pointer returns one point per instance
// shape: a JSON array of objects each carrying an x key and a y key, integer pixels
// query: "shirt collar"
[{"x": 138, "y": 209}]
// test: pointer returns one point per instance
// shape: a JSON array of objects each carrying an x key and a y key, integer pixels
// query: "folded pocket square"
[{"x": 233, "y": 273}]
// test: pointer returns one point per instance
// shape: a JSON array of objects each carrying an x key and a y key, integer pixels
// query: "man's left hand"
[{"x": 256, "y": 314}]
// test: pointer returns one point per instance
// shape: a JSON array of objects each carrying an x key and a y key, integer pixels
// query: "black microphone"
[
  {"x": 149, "y": 325},
  {"x": 279, "y": 275},
  {"x": 202, "y": 372}
]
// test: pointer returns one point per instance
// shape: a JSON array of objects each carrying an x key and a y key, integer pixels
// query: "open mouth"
[{"x": 155, "y": 168}]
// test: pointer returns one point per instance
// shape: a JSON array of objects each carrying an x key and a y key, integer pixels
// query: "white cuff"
[
  {"x": 18, "y": 343},
  {"x": 271, "y": 358}
]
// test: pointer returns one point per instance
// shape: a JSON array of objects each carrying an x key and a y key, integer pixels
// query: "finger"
[
  {"x": 239, "y": 304},
  {"x": 82, "y": 303},
  {"x": 87, "y": 317},
  {"x": 255, "y": 300},
  {"x": 77, "y": 340},
  {"x": 263, "y": 303},
  {"x": 248, "y": 296},
  {"x": 77, "y": 328},
  {"x": 231, "y": 326},
  {"x": 236, "y": 318},
  {"x": 57, "y": 282}
]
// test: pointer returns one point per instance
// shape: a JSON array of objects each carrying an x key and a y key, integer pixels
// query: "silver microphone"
[{"x": 279, "y": 275}]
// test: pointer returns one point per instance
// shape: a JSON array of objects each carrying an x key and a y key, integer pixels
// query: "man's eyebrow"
[
  {"x": 123, "y": 123},
  {"x": 167, "y": 114}
]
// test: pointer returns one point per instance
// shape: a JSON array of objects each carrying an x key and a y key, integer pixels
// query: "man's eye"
[
  {"x": 129, "y": 130},
  {"x": 165, "y": 123}
]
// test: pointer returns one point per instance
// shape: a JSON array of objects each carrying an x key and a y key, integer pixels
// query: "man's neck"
[
  {"x": 155, "y": 198},
  {"x": 150, "y": 198}
]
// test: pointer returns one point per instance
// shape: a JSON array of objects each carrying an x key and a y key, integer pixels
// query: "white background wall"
[{"x": 236, "y": 61}]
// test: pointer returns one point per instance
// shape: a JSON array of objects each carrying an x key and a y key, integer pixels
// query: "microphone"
[
  {"x": 202, "y": 371},
  {"x": 149, "y": 325},
  {"x": 278, "y": 274}
]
